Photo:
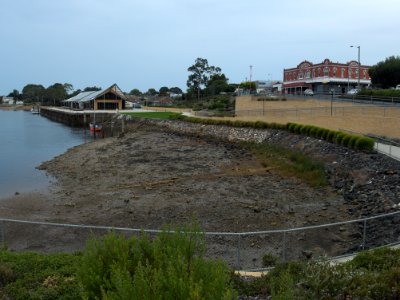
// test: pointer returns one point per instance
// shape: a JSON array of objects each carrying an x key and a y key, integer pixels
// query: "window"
[
  {"x": 300, "y": 75},
  {"x": 334, "y": 71},
  {"x": 342, "y": 72},
  {"x": 308, "y": 74},
  {"x": 326, "y": 71}
]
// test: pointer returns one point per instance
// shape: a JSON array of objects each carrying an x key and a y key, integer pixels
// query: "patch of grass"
[
  {"x": 289, "y": 162},
  {"x": 38, "y": 276},
  {"x": 153, "y": 115}
]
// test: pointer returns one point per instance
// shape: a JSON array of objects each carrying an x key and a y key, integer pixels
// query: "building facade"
[{"x": 325, "y": 77}]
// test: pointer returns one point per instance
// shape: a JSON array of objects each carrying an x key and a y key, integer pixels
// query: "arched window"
[{"x": 326, "y": 71}]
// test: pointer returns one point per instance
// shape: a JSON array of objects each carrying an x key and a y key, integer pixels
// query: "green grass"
[
  {"x": 289, "y": 162},
  {"x": 37, "y": 276},
  {"x": 153, "y": 115}
]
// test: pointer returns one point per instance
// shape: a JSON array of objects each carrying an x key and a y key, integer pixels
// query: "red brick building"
[{"x": 324, "y": 77}]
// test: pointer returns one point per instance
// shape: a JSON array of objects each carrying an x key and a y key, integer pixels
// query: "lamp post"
[{"x": 358, "y": 82}]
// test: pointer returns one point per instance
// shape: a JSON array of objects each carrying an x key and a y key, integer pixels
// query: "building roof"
[{"x": 92, "y": 95}]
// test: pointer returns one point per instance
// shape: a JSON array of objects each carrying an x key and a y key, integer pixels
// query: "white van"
[{"x": 398, "y": 87}]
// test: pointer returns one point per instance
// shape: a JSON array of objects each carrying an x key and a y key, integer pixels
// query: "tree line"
[{"x": 203, "y": 80}]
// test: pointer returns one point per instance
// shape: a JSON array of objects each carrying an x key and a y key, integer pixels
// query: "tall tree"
[
  {"x": 386, "y": 73},
  {"x": 176, "y": 90},
  {"x": 55, "y": 93},
  {"x": 217, "y": 84},
  {"x": 151, "y": 92},
  {"x": 135, "y": 92},
  {"x": 163, "y": 91},
  {"x": 33, "y": 92},
  {"x": 201, "y": 72}
]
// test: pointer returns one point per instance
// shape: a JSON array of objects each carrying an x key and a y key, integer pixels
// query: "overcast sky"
[{"x": 151, "y": 43}]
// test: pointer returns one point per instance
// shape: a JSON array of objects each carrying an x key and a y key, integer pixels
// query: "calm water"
[{"x": 26, "y": 141}]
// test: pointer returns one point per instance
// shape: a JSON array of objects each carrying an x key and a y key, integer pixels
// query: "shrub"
[
  {"x": 330, "y": 135},
  {"x": 319, "y": 132},
  {"x": 353, "y": 140},
  {"x": 297, "y": 128},
  {"x": 365, "y": 144},
  {"x": 170, "y": 267},
  {"x": 313, "y": 131},
  {"x": 339, "y": 137},
  {"x": 346, "y": 139},
  {"x": 269, "y": 260},
  {"x": 325, "y": 133}
]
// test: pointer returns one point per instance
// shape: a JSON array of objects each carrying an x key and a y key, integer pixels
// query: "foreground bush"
[
  {"x": 371, "y": 275},
  {"x": 172, "y": 266},
  {"x": 37, "y": 276}
]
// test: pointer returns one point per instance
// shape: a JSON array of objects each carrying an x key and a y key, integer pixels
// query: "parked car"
[
  {"x": 353, "y": 92},
  {"x": 398, "y": 87},
  {"x": 308, "y": 92}
]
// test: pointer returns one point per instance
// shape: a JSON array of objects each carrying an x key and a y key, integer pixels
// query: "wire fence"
[{"x": 241, "y": 250}]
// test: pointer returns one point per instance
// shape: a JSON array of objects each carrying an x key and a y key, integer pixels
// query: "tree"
[
  {"x": 33, "y": 92},
  {"x": 135, "y": 92},
  {"x": 200, "y": 75},
  {"x": 55, "y": 93},
  {"x": 163, "y": 91},
  {"x": 151, "y": 92},
  {"x": 176, "y": 90},
  {"x": 386, "y": 73},
  {"x": 92, "y": 88},
  {"x": 217, "y": 84},
  {"x": 15, "y": 94},
  {"x": 248, "y": 86}
]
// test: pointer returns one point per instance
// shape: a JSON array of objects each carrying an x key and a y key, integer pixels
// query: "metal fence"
[{"x": 241, "y": 250}]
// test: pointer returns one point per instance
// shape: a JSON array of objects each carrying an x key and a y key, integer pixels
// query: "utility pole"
[
  {"x": 359, "y": 71},
  {"x": 251, "y": 73}
]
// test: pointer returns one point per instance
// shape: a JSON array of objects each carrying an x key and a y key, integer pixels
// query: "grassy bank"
[{"x": 289, "y": 162}]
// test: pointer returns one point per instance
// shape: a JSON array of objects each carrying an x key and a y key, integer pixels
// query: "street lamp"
[{"x": 358, "y": 83}]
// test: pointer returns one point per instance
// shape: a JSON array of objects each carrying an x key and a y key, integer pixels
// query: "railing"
[
  {"x": 360, "y": 110},
  {"x": 242, "y": 250}
]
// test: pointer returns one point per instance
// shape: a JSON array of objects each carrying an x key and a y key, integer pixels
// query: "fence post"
[
  {"x": 284, "y": 247},
  {"x": 1, "y": 235},
  {"x": 238, "y": 252},
  {"x": 364, "y": 234}
]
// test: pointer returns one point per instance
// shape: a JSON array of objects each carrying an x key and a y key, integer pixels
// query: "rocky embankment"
[{"x": 368, "y": 182}]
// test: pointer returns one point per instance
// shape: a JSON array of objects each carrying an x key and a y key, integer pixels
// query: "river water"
[{"x": 26, "y": 141}]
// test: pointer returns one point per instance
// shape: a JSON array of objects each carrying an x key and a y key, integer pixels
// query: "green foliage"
[
  {"x": 200, "y": 74},
  {"x": 386, "y": 73},
  {"x": 364, "y": 144},
  {"x": 289, "y": 162},
  {"x": 370, "y": 275},
  {"x": 36, "y": 276},
  {"x": 269, "y": 260},
  {"x": 172, "y": 266},
  {"x": 380, "y": 93},
  {"x": 352, "y": 141},
  {"x": 154, "y": 115},
  {"x": 346, "y": 139},
  {"x": 330, "y": 136},
  {"x": 339, "y": 137}
]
